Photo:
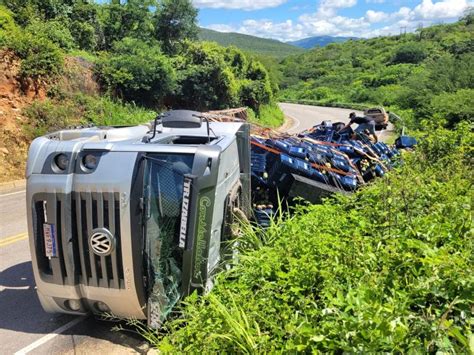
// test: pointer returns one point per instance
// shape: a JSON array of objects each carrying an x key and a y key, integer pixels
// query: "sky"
[{"x": 288, "y": 20}]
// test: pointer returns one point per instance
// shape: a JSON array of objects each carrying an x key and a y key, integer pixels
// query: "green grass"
[
  {"x": 269, "y": 116},
  {"x": 55, "y": 114},
  {"x": 387, "y": 270},
  {"x": 269, "y": 47}
]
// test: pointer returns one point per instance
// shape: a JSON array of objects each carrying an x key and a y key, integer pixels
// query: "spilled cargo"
[{"x": 325, "y": 159}]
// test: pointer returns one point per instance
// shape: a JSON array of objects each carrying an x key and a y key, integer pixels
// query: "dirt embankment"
[{"x": 17, "y": 94}]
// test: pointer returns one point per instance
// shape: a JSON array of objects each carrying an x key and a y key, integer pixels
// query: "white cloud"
[
  {"x": 375, "y": 16},
  {"x": 328, "y": 8},
  {"x": 325, "y": 21},
  {"x": 221, "y": 27},
  {"x": 446, "y": 9},
  {"x": 247, "y": 5},
  {"x": 374, "y": 1}
]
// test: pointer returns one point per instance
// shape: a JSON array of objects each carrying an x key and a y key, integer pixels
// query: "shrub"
[
  {"x": 205, "y": 81},
  {"x": 137, "y": 71},
  {"x": 51, "y": 115},
  {"x": 452, "y": 108},
  {"x": 84, "y": 35},
  {"x": 48, "y": 115},
  {"x": 269, "y": 115},
  {"x": 55, "y": 31},
  {"x": 41, "y": 58},
  {"x": 409, "y": 53}
]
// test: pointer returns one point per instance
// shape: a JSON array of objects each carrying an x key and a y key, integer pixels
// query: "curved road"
[
  {"x": 25, "y": 327},
  {"x": 304, "y": 116}
]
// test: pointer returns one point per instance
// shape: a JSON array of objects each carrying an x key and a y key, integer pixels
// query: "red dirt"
[
  {"x": 17, "y": 94},
  {"x": 14, "y": 96}
]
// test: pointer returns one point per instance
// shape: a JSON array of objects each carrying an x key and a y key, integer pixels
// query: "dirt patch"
[
  {"x": 14, "y": 96},
  {"x": 17, "y": 94}
]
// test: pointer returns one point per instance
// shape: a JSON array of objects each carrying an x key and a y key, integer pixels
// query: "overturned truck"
[{"x": 128, "y": 220}]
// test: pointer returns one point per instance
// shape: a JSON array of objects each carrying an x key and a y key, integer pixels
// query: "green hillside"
[
  {"x": 426, "y": 75},
  {"x": 253, "y": 44}
]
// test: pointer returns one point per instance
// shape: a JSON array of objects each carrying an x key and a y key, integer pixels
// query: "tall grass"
[
  {"x": 268, "y": 116},
  {"x": 50, "y": 115}
]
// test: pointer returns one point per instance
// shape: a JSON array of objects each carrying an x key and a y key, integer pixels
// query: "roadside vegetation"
[{"x": 144, "y": 54}]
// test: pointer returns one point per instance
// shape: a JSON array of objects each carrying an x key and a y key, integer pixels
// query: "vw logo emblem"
[{"x": 102, "y": 242}]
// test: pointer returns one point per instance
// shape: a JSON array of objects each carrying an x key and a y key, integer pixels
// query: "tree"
[
  {"x": 132, "y": 19},
  {"x": 409, "y": 53},
  {"x": 175, "y": 22},
  {"x": 137, "y": 71},
  {"x": 205, "y": 81}
]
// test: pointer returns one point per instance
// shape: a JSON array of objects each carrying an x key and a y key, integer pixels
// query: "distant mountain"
[
  {"x": 319, "y": 41},
  {"x": 254, "y": 44}
]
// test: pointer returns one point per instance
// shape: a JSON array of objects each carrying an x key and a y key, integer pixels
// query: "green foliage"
[
  {"x": 131, "y": 19},
  {"x": 408, "y": 72},
  {"x": 269, "y": 115},
  {"x": 453, "y": 107},
  {"x": 52, "y": 114},
  {"x": 205, "y": 81},
  {"x": 252, "y": 44},
  {"x": 213, "y": 77},
  {"x": 137, "y": 71},
  {"x": 387, "y": 270},
  {"x": 175, "y": 22},
  {"x": 7, "y": 25},
  {"x": 53, "y": 30},
  {"x": 41, "y": 58},
  {"x": 86, "y": 27},
  {"x": 409, "y": 53},
  {"x": 47, "y": 116}
]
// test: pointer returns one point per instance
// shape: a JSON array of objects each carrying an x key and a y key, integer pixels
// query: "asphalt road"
[
  {"x": 26, "y": 328},
  {"x": 304, "y": 116}
]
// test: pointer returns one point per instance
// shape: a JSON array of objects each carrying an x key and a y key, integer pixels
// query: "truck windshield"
[{"x": 163, "y": 195}]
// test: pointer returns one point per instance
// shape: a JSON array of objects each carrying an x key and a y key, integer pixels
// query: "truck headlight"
[
  {"x": 61, "y": 161},
  {"x": 90, "y": 161}
]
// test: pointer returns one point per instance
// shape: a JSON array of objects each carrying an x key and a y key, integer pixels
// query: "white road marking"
[
  {"x": 13, "y": 193},
  {"x": 295, "y": 125},
  {"x": 50, "y": 336}
]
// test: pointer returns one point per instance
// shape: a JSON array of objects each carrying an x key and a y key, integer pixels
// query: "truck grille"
[{"x": 75, "y": 216}]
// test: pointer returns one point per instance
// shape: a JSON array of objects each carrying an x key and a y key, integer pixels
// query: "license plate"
[{"x": 50, "y": 240}]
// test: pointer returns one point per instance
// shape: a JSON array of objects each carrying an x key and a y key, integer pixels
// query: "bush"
[
  {"x": 7, "y": 25},
  {"x": 452, "y": 108},
  {"x": 409, "y": 53},
  {"x": 48, "y": 116},
  {"x": 55, "y": 31},
  {"x": 205, "y": 81},
  {"x": 51, "y": 115},
  {"x": 84, "y": 35},
  {"x": 41, "y": 58},
  {"x": 137, "y": 71}
]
